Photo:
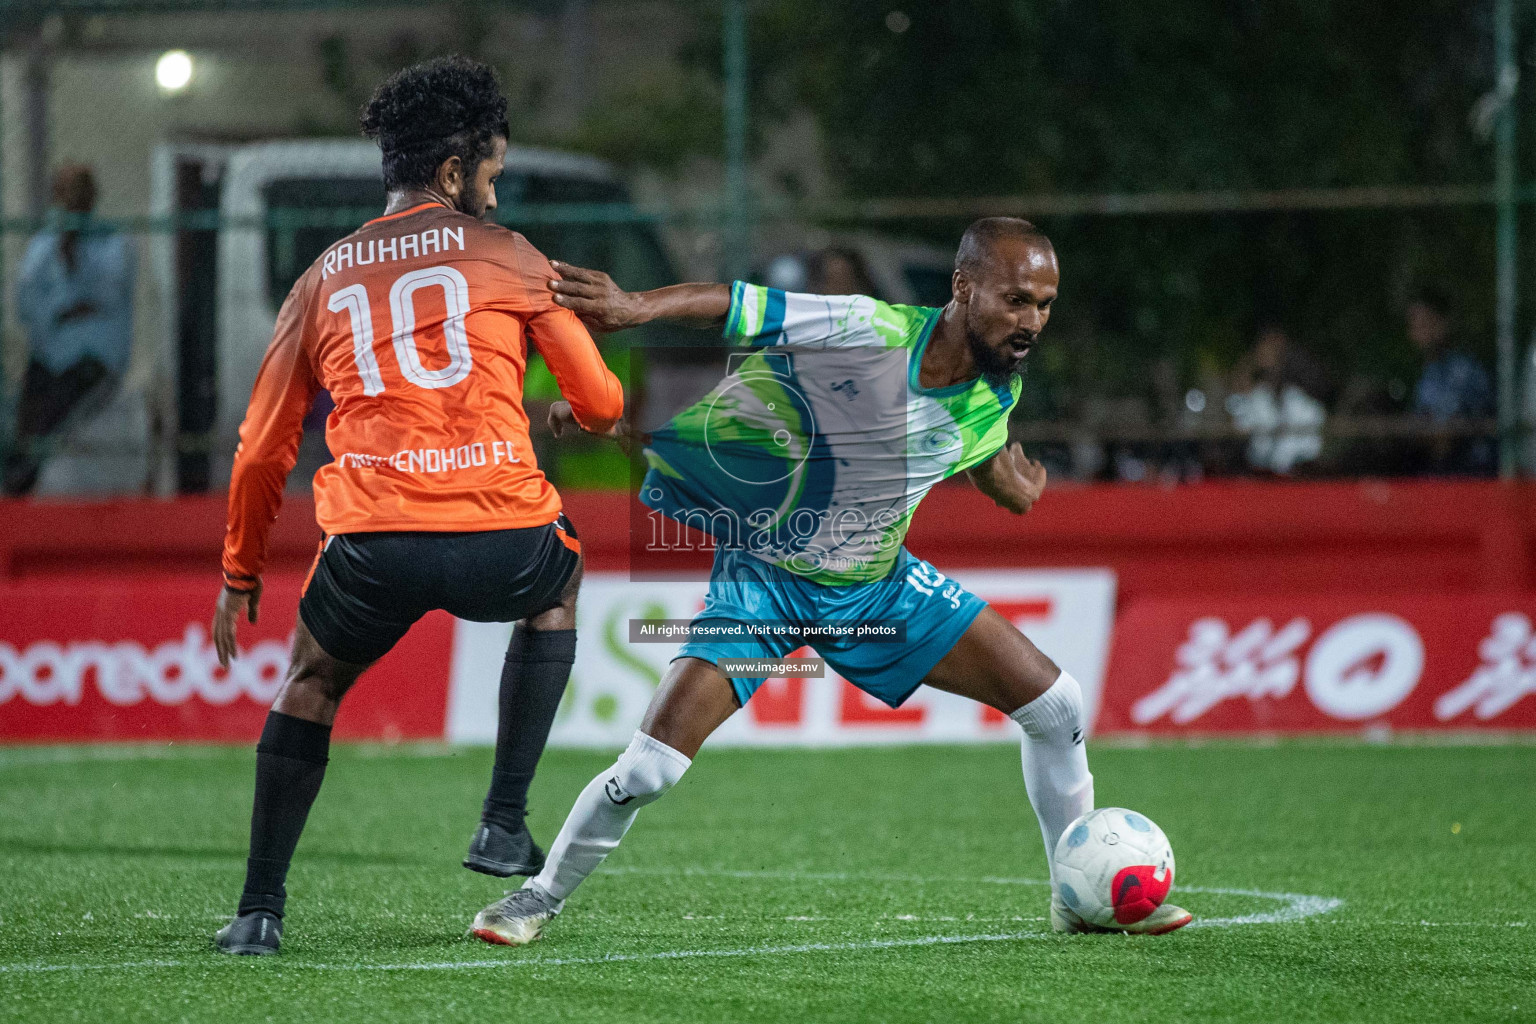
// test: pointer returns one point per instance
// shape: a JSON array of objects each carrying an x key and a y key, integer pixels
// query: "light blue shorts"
[{"x": 935, "y": 609}]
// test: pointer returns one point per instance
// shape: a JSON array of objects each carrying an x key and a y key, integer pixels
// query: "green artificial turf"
[{"x": 781, "y": 886}]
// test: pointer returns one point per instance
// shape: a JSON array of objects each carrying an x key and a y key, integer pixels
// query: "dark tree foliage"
[
  {"x": 1119, "y": 95},
  {"x": 1006, "y": 97}
]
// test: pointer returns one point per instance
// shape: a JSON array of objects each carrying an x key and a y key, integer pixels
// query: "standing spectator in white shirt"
[{"x": 74, "y": 298}]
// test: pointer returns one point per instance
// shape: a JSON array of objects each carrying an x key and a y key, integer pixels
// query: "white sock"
[
  {"x": 606, "y": 809},
  {"x": 1056, "y": 772}
]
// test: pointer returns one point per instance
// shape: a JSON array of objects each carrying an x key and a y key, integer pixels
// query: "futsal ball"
[{"x": 1113, "y": 866}]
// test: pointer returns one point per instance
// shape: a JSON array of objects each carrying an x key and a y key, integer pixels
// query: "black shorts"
[{"x": 367, "y": 589}]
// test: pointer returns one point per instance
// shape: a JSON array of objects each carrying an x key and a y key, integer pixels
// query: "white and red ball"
[{"x": 1113, "y": 866}]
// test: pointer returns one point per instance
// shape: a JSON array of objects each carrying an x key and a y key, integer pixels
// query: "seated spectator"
[
  {"x": 833, "y": 270},
  {"x": 74, "y": 298},
  {"x": 1278, "y": 399},
  {"x": 1453, "y": 386},
  {"x": 838, "y": 270}
]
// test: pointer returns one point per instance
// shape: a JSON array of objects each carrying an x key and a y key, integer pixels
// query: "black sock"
[
  {"x": 532, "y": 682},
  {"x": 290, "y": 765}
]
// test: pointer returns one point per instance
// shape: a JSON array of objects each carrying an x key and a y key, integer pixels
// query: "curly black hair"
[{"x": 421, "y": 116}]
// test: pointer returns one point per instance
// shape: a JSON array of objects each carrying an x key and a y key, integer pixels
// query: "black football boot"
[
  {"x": 496, "y": 851},
  {"x": 258, "y": 933}
]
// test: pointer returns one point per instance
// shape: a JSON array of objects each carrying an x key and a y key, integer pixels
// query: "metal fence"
[
  {"x": 1161, "y": 418},
  {"x": 1125, "y": 401}
]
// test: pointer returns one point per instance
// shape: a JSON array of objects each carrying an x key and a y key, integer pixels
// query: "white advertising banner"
[{"x": 1067, "y": 613}]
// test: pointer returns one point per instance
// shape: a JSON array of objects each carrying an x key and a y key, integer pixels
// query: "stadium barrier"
[
  {"x": 1238, "y": 537},
  {"x": 1069, "y": 612},
  {"x": 131, "y": 659},
  {"x": 1241, "y": 607},
  {"x": 93, "y": 659}
]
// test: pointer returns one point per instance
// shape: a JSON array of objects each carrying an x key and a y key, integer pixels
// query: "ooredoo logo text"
[{"x": 128, "y": 672}]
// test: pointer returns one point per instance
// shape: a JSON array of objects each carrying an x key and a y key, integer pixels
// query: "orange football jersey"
[{"x": 418, "y": 324}]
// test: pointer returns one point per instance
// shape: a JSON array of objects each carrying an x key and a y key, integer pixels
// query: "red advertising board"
[
  {"x": 1322, "y": 664},
  {"x": 131, "y": 659}
]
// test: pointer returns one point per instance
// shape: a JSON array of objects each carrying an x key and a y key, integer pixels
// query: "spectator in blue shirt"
[
  {"x": 1453, "y": 386},
  {"x": 74, "y": 298}
]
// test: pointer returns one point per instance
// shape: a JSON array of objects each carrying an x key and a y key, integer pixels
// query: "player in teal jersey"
[{"x": 807, "y": 472}]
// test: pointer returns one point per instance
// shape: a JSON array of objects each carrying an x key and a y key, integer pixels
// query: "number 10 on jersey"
[{"x": 402, "y": 309}]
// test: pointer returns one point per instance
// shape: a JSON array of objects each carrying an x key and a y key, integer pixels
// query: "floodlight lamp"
[{"x": 173, "y": 71}]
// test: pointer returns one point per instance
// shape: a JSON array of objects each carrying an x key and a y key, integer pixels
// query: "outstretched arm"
[
  {"x": 1010, "y": 478},
  {"x": 604, "y": 306}
]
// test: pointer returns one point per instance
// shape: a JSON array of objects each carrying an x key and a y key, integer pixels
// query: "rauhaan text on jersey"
[{"x": 397, "y": 247}]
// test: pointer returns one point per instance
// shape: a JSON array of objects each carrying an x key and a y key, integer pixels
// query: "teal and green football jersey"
[{"x": 815, "y": 449}]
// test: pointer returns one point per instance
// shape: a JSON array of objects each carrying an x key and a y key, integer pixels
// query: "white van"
[{"x": 222, "y": 288}]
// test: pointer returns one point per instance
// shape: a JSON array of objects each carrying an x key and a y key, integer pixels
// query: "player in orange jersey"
[{"x": 419, "y": 324}]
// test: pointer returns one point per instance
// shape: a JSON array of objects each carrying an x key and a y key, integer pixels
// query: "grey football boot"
[{"x": 517, "y": 918}]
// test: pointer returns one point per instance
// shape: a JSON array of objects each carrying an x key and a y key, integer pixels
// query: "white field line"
[
  {"x": 1297, "y": 906},
  {"x": 694, "y": 954},
  {"x": 1436, "y": 924},
  {"x": 611, "y": 958},
  {"x": 126, "y": 965},
  {"x": 680, "y": 954}
]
